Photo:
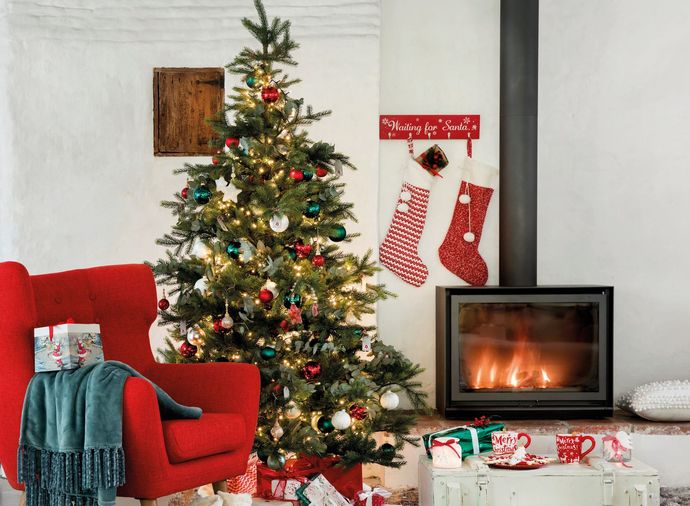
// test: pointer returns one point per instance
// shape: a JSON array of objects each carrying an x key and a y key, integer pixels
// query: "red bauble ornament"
[
  {"x": 218, "y": 326},
  {"x": 277, "y": 388},
  {"x": 321, "y": 172},
  {"x": 163, "y": 304},
  {"x": 284, "y": 325},
  {"x": 302, "y": 250},
  {"x": 270, "y": 94},
  {"x": 296, "y": 174},
  {"x": 215, "y": 160},
  {"x": 184, "y": 192},
  {"x": 311, "y": 370},
  {"x": 358, "y": 412},
  {"x": 318, "y": 261},
  {"x": 265, "y": 295},
  {"x": 188, "y": 350},
  {"x": 232, "y": 141}
]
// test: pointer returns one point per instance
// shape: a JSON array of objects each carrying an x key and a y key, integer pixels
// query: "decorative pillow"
[{"x": 660, "y": 401}]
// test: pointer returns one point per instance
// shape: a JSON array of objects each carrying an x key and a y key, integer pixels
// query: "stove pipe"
[{"x": 518, "y": 142}]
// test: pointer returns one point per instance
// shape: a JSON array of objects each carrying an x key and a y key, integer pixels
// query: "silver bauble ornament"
[
  {"x": 227, "y": 322},
  {"x": 341, "y": 420},
  {"x": 201, "y": 250},
  {"x": 292, "y": 411},
  {"x": 194, "y": 336},
  {"x": 389, "y": 400},
  {"x": 277, "y": 431},
  {"x": 201, "y": 285}
]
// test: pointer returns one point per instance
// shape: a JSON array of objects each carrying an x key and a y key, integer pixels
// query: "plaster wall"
[{"x": 80, "y": 184}]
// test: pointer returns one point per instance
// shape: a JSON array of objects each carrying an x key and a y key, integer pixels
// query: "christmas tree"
[{"x": 259, "y": 277}]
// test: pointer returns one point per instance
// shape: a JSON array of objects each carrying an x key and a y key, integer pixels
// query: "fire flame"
[{"x": 490, "y": 367}]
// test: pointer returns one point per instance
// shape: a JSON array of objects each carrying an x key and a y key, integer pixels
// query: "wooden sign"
[{"x": 428, "y": 126}]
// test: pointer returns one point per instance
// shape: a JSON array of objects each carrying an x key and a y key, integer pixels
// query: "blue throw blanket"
[{"x": 70, "y": 447}]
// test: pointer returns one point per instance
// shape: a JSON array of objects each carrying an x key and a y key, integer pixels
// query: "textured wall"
[
  {"x": 613, "y": 170},
  {"x": 81, "y": 186},
  {"x": 440, "y": 60}
]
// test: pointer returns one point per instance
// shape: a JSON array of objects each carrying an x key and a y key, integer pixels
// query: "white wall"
[
  {"x": 438, "y": 57},
  {"x": 80, "y": 184},
  {"x": 614, "y": 110}
]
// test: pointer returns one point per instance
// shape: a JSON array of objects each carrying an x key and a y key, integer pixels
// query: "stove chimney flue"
[{"x": 518, "y": 142}]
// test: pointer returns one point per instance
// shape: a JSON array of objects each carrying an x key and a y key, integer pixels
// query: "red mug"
[
  {"x": 505, "y": 442},
  {"x": 569, "y": 447}
]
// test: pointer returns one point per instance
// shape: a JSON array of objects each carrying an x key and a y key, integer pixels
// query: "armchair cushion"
[{"x": 211, "y": 434}]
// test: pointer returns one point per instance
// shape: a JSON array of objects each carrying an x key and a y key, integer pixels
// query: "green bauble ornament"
[
  {"x": 263, "y": 454},
  {"x": 202, "y": 194},
  {"x": 308, "y": 174},
  {"x": 291, "y": 253},
  {"x": 357, "y": 332},
  {"x": 388, "y": 451},
  {"x": 276, "y": 461},
  {"x": 290, "y": 299},
  {"x": 268, "y": 352},
  {"x": 251, "y": 81},
  {"x": 313, "y": 209},
  {"x": 338, "y": 234},
  {"x": 233, "y": 249},
  {"x": 325, "y": 425}
]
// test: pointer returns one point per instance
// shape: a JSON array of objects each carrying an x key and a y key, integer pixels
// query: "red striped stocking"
[{"x": 399, "y": 249}]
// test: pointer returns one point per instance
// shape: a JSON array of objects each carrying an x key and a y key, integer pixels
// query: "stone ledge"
[{"x": 620, "y": 421}]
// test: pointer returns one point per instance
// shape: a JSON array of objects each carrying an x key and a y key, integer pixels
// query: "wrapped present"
[
  {"x": 371, "y": 496},
  {"x": 246, "y": 483},
  {"x": 472, "y": 439},
  {"x": 67, "y": 345},
  {"x": 320, "y": 492},
  {"x": 347, "y": 480},
  {"x": 446, "y": 452}
]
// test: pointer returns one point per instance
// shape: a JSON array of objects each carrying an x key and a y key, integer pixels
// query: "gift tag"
[{"x": 366, "y": 343}]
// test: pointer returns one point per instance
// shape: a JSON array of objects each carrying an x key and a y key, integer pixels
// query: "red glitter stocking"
[
  {"x": 459, "y": 253},
  {"x": 398, "y": 251}
]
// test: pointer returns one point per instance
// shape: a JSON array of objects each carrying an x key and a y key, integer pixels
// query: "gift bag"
[
  {"x": 246, "y": 483},
  {"x": 446, "y": 452},
  {"x": 67, "y": 345},
  {"x": 472, "y": 439}
]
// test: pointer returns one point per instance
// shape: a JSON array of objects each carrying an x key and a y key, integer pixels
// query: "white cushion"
[{"x": 660, "y": 401}]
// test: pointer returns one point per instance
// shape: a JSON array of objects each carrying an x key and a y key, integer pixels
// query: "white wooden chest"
[{"x": 597, "y": 484}]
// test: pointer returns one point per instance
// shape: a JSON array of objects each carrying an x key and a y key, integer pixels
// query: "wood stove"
[{"x": 524, "y": 352}]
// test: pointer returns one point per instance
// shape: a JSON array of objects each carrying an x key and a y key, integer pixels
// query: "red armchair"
[{"x": 162, "y": 457}]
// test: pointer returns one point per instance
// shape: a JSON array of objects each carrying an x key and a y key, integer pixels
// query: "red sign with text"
[{"x": 429, "y": 126}]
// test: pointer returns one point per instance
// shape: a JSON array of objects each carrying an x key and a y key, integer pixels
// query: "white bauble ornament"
[
  {"x": 468, "y": 237},
  {"x": 200, "y": 250},
  {"x": 279, "y": 222},
  {"x": 194, "y": 336},
  {"x": 341, "y": 420},
  {"x": 292, "y": 411},
  {"x": 227, "y": 322},
  {"x": 277, "y": 431},
  {"x": 389, "y": 400},
  {"x": 201, "y": 285}
]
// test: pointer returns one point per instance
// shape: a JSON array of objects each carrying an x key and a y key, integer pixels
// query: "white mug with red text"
[{"x": 505, "y": 442}]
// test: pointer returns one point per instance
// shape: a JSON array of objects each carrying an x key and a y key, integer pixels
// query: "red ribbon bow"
[
  {"x": 50, "y": 327},
  {"x": 449, "y": 443}
]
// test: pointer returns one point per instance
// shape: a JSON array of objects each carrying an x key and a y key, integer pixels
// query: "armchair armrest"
[{"x": 220, "y": 387}]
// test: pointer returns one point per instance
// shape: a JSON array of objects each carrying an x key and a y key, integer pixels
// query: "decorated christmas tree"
[{"x": 255, "y": 265}]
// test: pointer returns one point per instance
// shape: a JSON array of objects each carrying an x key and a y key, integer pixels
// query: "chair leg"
[
  {"x": 221, "y": 485},
  {"x": 148, "y": 502},
  {"x": 22, "y": 499}
]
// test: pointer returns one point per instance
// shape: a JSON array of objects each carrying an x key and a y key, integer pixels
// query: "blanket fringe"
[{"x": 69, "y": 478}]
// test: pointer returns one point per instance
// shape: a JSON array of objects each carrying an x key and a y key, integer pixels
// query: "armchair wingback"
[{"x": 162, "y": 457}]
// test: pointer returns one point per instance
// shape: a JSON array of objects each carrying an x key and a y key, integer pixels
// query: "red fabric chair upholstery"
[{"x": 161, "y": 457}]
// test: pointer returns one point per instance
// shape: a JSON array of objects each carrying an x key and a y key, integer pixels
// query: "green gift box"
[{"x": 471, "y": 438}]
